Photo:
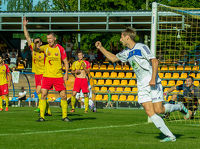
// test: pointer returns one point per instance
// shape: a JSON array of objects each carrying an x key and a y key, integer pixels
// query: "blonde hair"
[{"x": 131, "y": 32}]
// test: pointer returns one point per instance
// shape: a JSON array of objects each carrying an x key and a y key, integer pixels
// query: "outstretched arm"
[
  {"x": 112, "y": 57},
  {"x": 26, "y": 34}
]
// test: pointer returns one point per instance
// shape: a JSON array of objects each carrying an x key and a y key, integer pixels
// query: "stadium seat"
[
  {"x": 113, "y": 75},
  {"x": 179, "y": 82},
  {"x": 97, "y": 75},
  {"x": 114, "y": 98},
  {"x": 105, "y": 97},
  {"x": 164, "y": 83},
  {"x": 127, "y": 89},
  {"x": 183, "y": 75},
  {"x": 168, "y": 75},
  {"x": 166, "y": 89},
  {"x": 108, "y": 82},
  {"x": 119, "y": 89},
  {"x": 118, "y": 67},
  {"x": 164, "y": 68},
  {"x": 92, "y": 74},
  {"x": 111, "y": 89},
  {"x": 134, "y": 90},
  {"x": 104, "y": 89},
  {"x": 125, "y": 67},
  {"x": 116, "y": 82},
  {"x": 96, "y": 89},
  {"x": 195, "y": 68},
  {"x": 168, "y": 98},
  {"x": 110, "y": 67},
  {"x": 171, "y": 83},
  {"x": 161, "y": 75},
  {"x": 198, "y": 76},
  {"x": 175, "y": 91},
  {"x": 130, "y": 98},
  {"x": 57, "y": 99},
  {"x": 93, "y": 82},
  {"x": 188, "y": 68},
  {"x": 159, "y": 68},
  {"x": 20, "y": 66},
  {"x": 175, "y": 75},
  {"x": 179, "y": 68},
  {"x": 95, "y": 67},
  {"x": 120, "y": 75},
  {"x": 100, "y": 82},
  {"x": 102, "y": 67},
  {"x": 131, "y": 82},
  {"x": 124, "y": 82},
  {"x": 136, "y": 98},
  {"x": 122, "y": 98},
  {"x": 134, "y": 76},
  {"x": 98, "y": 97},
  {"x": 171, "y": 68},
  {"x": 129, "y": 75},
  {"x": 105, "y": 75},
  {"x": 196, "y": 83},
  {"x": 193, "y": 75}
]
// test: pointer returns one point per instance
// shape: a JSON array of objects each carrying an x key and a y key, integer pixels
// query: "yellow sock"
[
  {"x": 86, "y": 102},
  {"x": 48, "y": 108},
  {"x": 7, "y": 101},
  {"x": 39, "y": 97},
  {"x": 42, "y": 108},
  {"x": 1, "y": 102},
  {"x": 73, "y": 101},
  {"x": 64, "y": 108}
]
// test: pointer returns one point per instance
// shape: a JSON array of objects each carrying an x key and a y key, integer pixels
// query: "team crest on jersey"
[
  {"x": 56, "y": 54},
  {"x": 35, "y": 54},
  {"x": 49, "y": 53},
  {"x": 39, "y": 56}
]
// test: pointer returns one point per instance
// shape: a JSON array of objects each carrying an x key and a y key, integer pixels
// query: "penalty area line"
[{"x": 71, "y": 130}]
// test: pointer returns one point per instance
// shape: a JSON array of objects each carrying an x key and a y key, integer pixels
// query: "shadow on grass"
[
  {"x": 161, "y": 136},
  {"x": 84, "y": 118}
]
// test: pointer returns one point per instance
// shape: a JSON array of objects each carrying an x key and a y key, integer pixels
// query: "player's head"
[
  {"x": 80, "y": 55},
  {"x": 1, "y": 60},
  {"x": 22, "y": 88},
  {"x": 127, "y": 36},
  {"x": 189, "y": 81},
  {"x": 51, "y": 39},
  {"x": 37, "y": 42}
]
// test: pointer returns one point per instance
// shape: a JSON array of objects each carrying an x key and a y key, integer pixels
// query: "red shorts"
[
  {"x": 81, "y": 84},
  {"x": 38, "y": 80},
  {"x": 4, "y": 89},
  {"x": 58, "y": 83}
]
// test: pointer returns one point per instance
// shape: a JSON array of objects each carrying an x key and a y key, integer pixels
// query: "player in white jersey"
[{"x": 150, "y": 91}]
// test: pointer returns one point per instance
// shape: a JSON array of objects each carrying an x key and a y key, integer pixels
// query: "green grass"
[{"x": 106, "y": 129}]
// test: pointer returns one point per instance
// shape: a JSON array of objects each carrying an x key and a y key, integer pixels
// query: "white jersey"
[{"x": 139, "y": 58}]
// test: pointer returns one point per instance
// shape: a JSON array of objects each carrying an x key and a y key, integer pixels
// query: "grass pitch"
[{"x": 106, "y": 129}]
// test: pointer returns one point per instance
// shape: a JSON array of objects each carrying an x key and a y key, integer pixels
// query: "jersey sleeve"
[
  {"x": 74, "y": 66},
  {"x": 88, "y": 66},
  {"x": 62, "y": 52},
  {"x": 44, "y": 48},
  {"x": 31, "y": 46},
  {"x": 146, "y": 52},
  {"x": 122, "y": 56}
]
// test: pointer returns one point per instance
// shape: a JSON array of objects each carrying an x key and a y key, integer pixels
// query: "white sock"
[
  {"x": 160, "y": 124},
  {"x": 172, "y": 107}
]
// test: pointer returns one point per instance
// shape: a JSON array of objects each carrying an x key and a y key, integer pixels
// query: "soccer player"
[
  {"x": 190, "y": 97},
  {"x": 5, "y": 82},
  {"x": 38, "y": 59},
  {"x": 145, "y": 66},
  {"x": 53, "y": 75},
  {"x": 80, "y": 69}
]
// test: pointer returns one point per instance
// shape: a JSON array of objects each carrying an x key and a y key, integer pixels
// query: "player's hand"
[
  {"x": 83, "y": 65},
  {"x": 152, "y": 83},
  {"x": 65, "y": 78},
  {"x": 98, "y": 44},
  {"x": 77, "y": 71},
  {"x": 25, "y": 22}
]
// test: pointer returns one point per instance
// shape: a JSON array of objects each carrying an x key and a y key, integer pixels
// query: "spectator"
[
  {"x": 22, "y": 96},
  {"x": 68, "y": 48},
  {"x": 34, "y": 97},
  {"x": 13, "y": 61},
  {"x": 92, "y": 56}
]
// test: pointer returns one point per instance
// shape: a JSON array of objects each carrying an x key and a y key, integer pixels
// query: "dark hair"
[
  {"x": 131, "y": 32},
  {"x": 22, "y": 88},
  {"x": 52, "y": 33},
  {"x": 190, "y": 77},
  {"x": 38, "y": 38},
  {"x": 79, "y": 51}
]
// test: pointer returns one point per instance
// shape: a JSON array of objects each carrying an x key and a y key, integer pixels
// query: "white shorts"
[{"x": 149, "y": 93}]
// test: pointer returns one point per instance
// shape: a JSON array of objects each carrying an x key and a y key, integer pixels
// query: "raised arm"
[
  {"x": 26, "y": 34},
  {"x": 112, "y": 57}
]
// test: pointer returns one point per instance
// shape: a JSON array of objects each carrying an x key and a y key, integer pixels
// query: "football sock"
[
  {"x": 73, "y": 101},
  {"x": 48, "y": 108},
  {"x": 64, "y": 108},
  {"x": 42, "y": 108},
  {"x": 6, "y": 99},
  {"x": 172, "y": 107},
  {"x": 86, "y": 102},
  {"x": 1, "y": 102},
  {"x": 39, "y": 97},
  {"x": 160, "y": 124}
]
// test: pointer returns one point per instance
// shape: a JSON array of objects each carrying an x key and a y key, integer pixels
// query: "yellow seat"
[
  {"x": 118, "y": 67},
  {"x": 193, "y": 75},
  {"x": 111, "y": 89},
  {"x": 159, "y": 68},
  {"x": 108, "y": 82},
  {"x": 161, "y": 75},
  {"x": 110, "y": 67},
  {"x": 20, "y": 66},
  {"x": 196, "y": 83},
  {"x": 105, "y": 97},
  {"x": 134, "y": 90},
  {"x": 102, "y": 67},
  {"x": 104, "y": 89},
  {"x": 105, "y": 75},
  {"x": 129, "y": 75},
  {"x": 127, "y": 89},
  {"x": 136, "y": 98},
  {"x": 96, "y": 89},
  {"x": 121, "y": 75},
  {"x": 124, "y": 82},
  {"x": 119, "y": 89},
  {"x": 98, "y": 97},
  {"x": 183, "y": 75},
  {"x": 114, "y": 98},
  {"x": 168, "y": 99},
  {"x": 171, "y": 68},
  {"x": 166, "y": 89},
  {"x": 92, "y": 74},
  {"x": 131, "y": 82},
  {"x": 97, "y": 74},
  {"x": 171, "y": 83},
  {"x": 175, "y": 75},
  {"x": 125, "y": 67},
  {"x": 175, "y": 91},
  {"x": 195, "y": 68},
  {"x": 113, "y": 75},
  {"x": 179, "y": 82},
  {"x": 130, "y": 98},
  {"x": 100, "y": 82},
  {"x": 188, "y": 68},
  {"x": 198, "y": 76},
  {"x": 116, "y": 82},
  {"x": 168, "y": 75},
  {"x": 95, "y": 67},
  {"x": 94, "y": 82},
  {"x": 179, "y": 68},
  {"x": 164, "y": 67},
  {"x": 164, "y": 83},
  {"x": 134, "y": 76},
  {"x": 122, "y": 98}
]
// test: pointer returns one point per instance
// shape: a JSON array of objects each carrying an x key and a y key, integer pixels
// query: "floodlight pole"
[{"x": 79, "y": 35}]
